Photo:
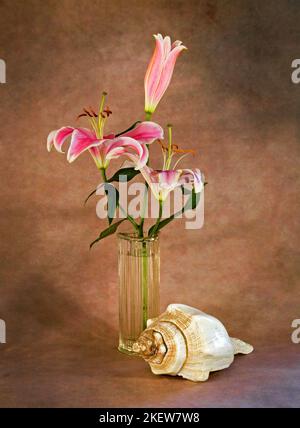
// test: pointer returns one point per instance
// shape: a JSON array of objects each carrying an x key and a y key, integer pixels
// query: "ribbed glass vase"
[{"x": 139, "y": 276}]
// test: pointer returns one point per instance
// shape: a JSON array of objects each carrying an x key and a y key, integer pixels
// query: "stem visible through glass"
[{"x": 145, "y": 283}]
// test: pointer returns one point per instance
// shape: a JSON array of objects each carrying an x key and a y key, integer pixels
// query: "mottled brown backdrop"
[{"x": 233, "y": 101}]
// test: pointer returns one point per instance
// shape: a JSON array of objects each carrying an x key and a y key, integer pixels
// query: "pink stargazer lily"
[
  {"x": 162, "y": 182},
  {"x": 131, "y": 143},
  {"x": 160, "y": 70}
]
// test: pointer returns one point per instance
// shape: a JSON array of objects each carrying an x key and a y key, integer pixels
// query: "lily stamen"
[
  {"x": 93, "y": 112},
  {"x": 107, "y": 111},
  {"x": 174, "y": 150}
]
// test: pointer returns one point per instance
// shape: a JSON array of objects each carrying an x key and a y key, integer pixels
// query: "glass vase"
[{"x": 139, "y": 276}]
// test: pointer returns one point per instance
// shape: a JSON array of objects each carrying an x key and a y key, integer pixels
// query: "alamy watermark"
[
  {"x": 2, "y": 331},
  {"x": 2, "y": 71},
  {"x": 296, "y": 333},
  {"x": 130, "y": 199},
  {"x": 295, "y": 76}
]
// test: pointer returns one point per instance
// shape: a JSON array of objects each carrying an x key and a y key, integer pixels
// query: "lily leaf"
[
  {"x": 129, "y": 173},
  {"x": 107, "y": 232},
  {"x": 192, "y": 202},
  {"x": 112, "y": 205},
  {"x": 162, "y": 224},
  {"x": 91, "y": 194}
]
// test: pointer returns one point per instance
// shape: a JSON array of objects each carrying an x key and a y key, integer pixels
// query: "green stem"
[
  {"x": 148, "y": 115},
  {"x": 145, "y": 285},
  {"x": 131, "y": 219},
  {"x": 170, "y": 154},
  {"x": 103, "y": 172},
  {"x": 158, "y": 219},
  {"x": 145, "y": 200}
]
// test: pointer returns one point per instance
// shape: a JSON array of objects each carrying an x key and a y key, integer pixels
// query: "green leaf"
[
  {"x": 129, "y": 173},
  {"x": 161, "y": 224},
  {"x": 111, "y": 209},
  {"x": 185, "y": 190},
  {"x": 111, "y": 206},
  {"x": 129, "y": 129},
  {"x": 191, "y": 204},
  {"x": 107, "y": 232},
  {"x": 91, "y": 194}
]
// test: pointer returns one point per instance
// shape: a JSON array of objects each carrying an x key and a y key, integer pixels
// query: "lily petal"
[
  {"x": 60, "y": 137},
  {"x": 50, "y": 140},
  {"x": 150, "y": 177},
  {"x": 167, "y": 46},
  {"x": 167, "y": 72},
  {"x": 176, "y": 43},
  {"x": 82, "y": 140},
  {"x": 160, "y": 70},
  {"x": 165, "y": 181},
  {"x": 154, "y": 71},
  {"x": 146, "y": 132},
  {"x": 169, "y": 179},
  {"x": 96, "y": 155},
  {"x": 112, "y": 149},
  {"x": 194, "y": 177}
]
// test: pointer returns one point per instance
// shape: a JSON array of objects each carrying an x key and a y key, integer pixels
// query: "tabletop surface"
[{"x": 90, "y": 372}]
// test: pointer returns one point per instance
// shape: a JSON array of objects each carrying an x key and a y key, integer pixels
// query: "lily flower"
[
  {"x": 131, "y": 144},
  {"x": 160, "y": 70},
  {"x": 162, "y": 182}
]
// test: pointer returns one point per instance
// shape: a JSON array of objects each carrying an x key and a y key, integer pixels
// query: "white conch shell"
[{"x": 186, "y": 342}]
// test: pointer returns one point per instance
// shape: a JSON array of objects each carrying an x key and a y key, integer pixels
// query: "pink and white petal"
[
  {"x": 147, "y": 173},
  {"x": 95, "y": 153},
  {"x": 169, "y": 178},
  {"x": 151, "y": 177},
  {"x": 146, "y": 132},
  {"x": 167, "y": 72},
  {"x": 154, "y": 71},
  {"x": 194, "y": 177},
  {"x": 139, "y": 162},
  {"x": 82, "y": 140},
  {"x": 50, "y": 139},
  {"x": 109, "y": 137},
  {"x": 60, "y": 137},
  {"x": 176, "y": 43},
  {"x": 167, "y": 47},
  {"x": 112, "y": 149}
]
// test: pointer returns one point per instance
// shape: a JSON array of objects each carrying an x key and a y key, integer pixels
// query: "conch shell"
[{"x": 186, "y": 342}]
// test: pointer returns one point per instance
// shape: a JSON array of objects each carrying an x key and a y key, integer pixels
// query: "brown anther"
[
  {"x": 177, "y": 150},
  {"x": 164, "y": 148},
  {"x": 107, "y": 111},
  {"x": 93, "y": 112},
  {"x": 87, "y": 112},
  {"x": 81, "y": 115},
  {"x": 103, "y": 115}
]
